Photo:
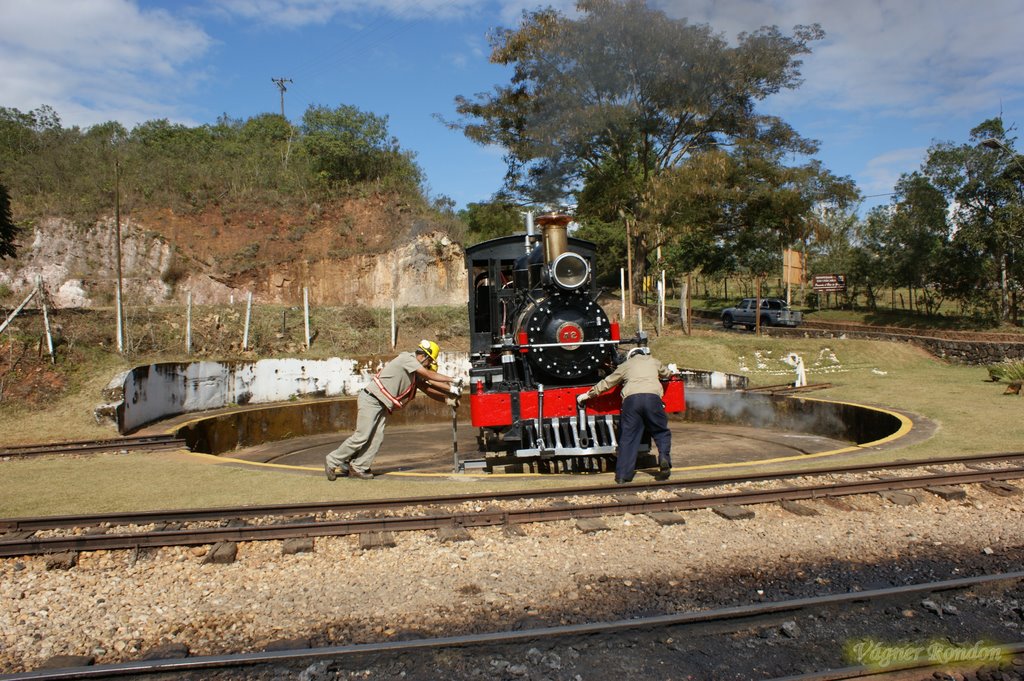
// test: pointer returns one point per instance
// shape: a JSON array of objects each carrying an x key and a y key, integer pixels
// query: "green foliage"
[
  {"x": 1006, "y": 371},
  {"x": 985, "y": 187},
  {"x": 348, "y": 145},
  {"x": 611, "y": 249},
  {"x": 909, "y": 241},
  {"x": 734, "y": 212},
  {"x": 490, "y": 220},
  {"x": 8, "y": 230},
  {"x": 624, "y": 89},
  {"x": 604, "y": 104},
  {"x": 69, "y": 171},
  {"x": 950, "y": 233}
]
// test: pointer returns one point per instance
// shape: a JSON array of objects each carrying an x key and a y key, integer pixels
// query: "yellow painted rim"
[{"x": 906, "y": 425}]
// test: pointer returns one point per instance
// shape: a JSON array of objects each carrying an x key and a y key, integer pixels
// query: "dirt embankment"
[{"x": 369, "y": 250}]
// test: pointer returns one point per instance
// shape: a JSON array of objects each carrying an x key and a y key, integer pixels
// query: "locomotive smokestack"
[
  {"x": 555, "y": 230},
  {"x": 568, "y": 270}
]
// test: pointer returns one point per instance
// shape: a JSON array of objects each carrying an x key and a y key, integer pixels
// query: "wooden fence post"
[
  {"x": 248, "y": 318},
  {"x": 188, "y": 325}
]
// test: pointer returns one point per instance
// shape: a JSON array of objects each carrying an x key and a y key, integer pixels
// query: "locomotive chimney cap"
[{"x": 560, "y": 219}]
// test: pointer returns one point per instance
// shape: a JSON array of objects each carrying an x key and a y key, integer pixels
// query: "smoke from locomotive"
[{"x": 538, "y": 338}]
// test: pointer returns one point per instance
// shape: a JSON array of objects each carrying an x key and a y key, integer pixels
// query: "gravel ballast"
[{"x": 115, "y": 606}]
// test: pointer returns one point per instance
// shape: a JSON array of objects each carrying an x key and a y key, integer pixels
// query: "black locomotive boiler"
[{"x": 539, "y": 338}]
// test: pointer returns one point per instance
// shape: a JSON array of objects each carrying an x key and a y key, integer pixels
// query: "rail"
[
  {"x": 93, "y": 446},
  {"x": 19, "y": 540},
  {"x": 733, "y": 614}
]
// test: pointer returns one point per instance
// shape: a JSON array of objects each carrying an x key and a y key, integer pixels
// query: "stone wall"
[
  {"x": 955, "y": 346},
  {"x": 957, "y": 350}
]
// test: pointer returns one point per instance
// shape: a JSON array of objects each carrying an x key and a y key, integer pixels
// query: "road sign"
[{"x": 829, "y": 282}]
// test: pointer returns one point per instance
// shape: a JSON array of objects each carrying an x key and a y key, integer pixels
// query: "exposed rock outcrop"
[{"x": 77, "y": 266}]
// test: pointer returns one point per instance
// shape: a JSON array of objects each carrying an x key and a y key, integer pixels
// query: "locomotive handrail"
[{"x": 499, "y": 346}]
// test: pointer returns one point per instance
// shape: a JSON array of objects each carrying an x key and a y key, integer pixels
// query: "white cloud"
[
  {"x": 474, "y": 51},
  {"x": 95, "y": 60},
  {"x": 903, "y": 57},
  {"x": 881, "y": 172},
  {"x": 512, "y": 10},
  {"x": 298, "y": 13}
]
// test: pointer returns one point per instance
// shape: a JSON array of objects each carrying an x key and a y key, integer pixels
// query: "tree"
[
  {"x": 601, "y": 105},
  {"x": 837, "y": 249},
  {"x": 490, "y": 220},
  {"x": 917, "y": 238},
  {"x": 8, "y": 230},
  {"x": 733, "y": 213},
  {"x": 349, "y": 145},
  {"x": 986, "y": 189}
]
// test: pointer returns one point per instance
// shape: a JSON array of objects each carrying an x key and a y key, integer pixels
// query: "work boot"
[
  {"x": 664, "y": 470},
  {"x": 361, "y": 475},
  {"x": 332, "y": 475}
]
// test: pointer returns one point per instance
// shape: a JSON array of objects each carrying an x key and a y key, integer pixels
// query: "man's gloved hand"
[
  {"x": 673, "y": 368},
  {"x": 582, "y": 398},
  {"x": 452, "y": 402},
  {"x": 455, "y": 388}
]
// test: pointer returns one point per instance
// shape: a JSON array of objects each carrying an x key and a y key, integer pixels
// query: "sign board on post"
[
  {"x": 792, "y": 266},
  {"x": 829, "y": 282}
]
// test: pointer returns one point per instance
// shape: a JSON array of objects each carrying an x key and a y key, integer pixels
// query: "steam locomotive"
[{"x": 539, "y": 338}]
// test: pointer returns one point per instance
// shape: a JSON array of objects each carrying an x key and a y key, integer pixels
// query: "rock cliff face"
[
  {"x": 430, "y": 270},
  {"x": 77, "y": 266}
]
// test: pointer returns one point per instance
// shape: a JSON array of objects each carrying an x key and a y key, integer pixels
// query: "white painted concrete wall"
[{"x": 158, "y": 391}]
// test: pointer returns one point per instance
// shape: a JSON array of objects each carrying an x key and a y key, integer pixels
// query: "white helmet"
[{"x": 638, "y": 351}]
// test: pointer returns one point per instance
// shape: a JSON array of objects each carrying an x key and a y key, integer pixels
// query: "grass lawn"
[{"x": 972, "y": 414}]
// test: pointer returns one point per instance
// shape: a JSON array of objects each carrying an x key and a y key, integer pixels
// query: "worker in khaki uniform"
[
  {"x": 642, "y": 409},
  {"x": 392, "y": 388}
]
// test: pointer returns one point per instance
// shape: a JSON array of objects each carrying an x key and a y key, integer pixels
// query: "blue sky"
[{"x": 890, "y": 78}]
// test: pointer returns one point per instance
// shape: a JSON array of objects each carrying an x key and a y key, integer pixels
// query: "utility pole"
[
  {"x": 280, "y": 83},
  {"x": 117, "y": 254}
]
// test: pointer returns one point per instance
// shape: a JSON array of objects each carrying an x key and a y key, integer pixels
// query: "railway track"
[
  {"x": 91, "y": 533},
  {"x": 787, "y": 388},
  {"x": 300, "y": 509},
  {"x": 93, "y": 446},
  {"x": 718, "y": 620}
]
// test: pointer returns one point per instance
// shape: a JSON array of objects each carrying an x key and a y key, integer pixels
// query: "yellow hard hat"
[{"x": 429, "y": 348}]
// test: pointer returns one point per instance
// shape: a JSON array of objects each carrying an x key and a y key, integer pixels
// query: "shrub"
[{"x": 1007, "y": 371}]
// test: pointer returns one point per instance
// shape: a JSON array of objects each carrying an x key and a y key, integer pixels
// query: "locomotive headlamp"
[{"x": 570, "y": 271}]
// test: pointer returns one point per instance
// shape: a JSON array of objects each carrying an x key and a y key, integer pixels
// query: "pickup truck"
[{"x": 774, "y": 312}]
